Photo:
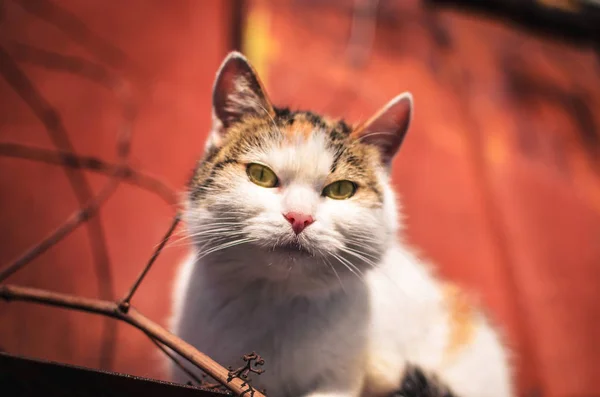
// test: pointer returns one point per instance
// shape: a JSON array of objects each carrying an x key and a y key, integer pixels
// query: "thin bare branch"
[
  {"x": 90, "y": 71},
  {"x": 79, "y": 217},
  {"x": 69, "y": 159},
  {"x": 175, "y": 360},
  {"x": 66, "y": 63},
  {"x": 76, "y": 30},
  {"x": 253, "y": 361},
  {"x": 124, "y": 303},
  {"x": 173, "y": 357},
  {"x": 133, "y": 317}
]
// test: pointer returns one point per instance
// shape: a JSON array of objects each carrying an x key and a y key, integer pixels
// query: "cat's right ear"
[
  {"x": 387, "y": 128},
  {"x": 237, "y": 93}
]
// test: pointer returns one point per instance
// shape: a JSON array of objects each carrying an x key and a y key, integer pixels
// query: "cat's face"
[{"x": 292, "y": 189}]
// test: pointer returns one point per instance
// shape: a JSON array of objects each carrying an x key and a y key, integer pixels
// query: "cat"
[{"x": 297, "y": 257}]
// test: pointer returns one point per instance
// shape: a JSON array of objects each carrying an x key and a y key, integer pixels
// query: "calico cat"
[{"x": 297, "y": 257}]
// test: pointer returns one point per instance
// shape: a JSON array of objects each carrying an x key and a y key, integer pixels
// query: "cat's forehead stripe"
[{"x": 299, "y": 126}]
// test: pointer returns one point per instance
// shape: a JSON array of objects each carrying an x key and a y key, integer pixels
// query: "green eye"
[
  {"x": 340, "y": 190},
  {"x": 261, "y": 175}
]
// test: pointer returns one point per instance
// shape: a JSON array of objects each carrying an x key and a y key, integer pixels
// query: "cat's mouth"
[{"x": 292, "y": 247}]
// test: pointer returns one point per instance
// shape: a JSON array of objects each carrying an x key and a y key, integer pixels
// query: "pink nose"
[{"x": 298, "y": 221}]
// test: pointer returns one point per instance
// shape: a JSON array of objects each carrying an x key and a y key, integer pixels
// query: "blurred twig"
[
  {"x": 79, "y": 217},
  {"x": 362, "y": 32},
  {"x": 68, "y": 159},
  {"x": 91, "y": 71},
  {"x": 67, "y": 63},
  {"x": 76, "y": 29}
]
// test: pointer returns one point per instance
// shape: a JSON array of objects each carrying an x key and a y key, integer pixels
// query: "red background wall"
[{"x": 499, "y": 175}]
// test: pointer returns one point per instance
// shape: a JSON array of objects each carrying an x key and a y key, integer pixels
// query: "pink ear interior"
[
  {"x": 386, "y": 130},
  {"x": 238, "y": 91}
]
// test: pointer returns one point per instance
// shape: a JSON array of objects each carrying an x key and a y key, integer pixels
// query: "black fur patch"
[
  {"x": 284, "y": 112},
  {"x": 339, "y": 151},
  {"x": 286, "y": 116},
  {"x": 315, "y": 119},
  {"x": 198, "y": 188},
  {"x": 340, "y": 131},
  {"x": 418, "y": 384},
  {"x": 221, "y": 164}
]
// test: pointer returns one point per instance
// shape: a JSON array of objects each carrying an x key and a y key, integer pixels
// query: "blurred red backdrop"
[{"x": 499, "y": 175}]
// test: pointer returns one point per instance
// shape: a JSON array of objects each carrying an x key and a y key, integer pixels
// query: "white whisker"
[
  {"x": 336, "y": 274},
  {"x": 224, "y": 246},
  {"x": 349, "y": 266},
  {"x": 374, "y": 134}
]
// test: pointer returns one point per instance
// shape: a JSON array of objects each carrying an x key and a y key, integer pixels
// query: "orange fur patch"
[
  {"x": 461, "y": 315},
  {"x": 300, "y": 127}
]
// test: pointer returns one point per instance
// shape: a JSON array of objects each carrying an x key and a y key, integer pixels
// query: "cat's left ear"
[
  {"x": 387, "y": 128},
  {"x": 237, "y": 93}
]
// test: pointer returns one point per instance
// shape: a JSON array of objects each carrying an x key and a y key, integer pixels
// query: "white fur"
[{"x": 346, "y": 332}]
